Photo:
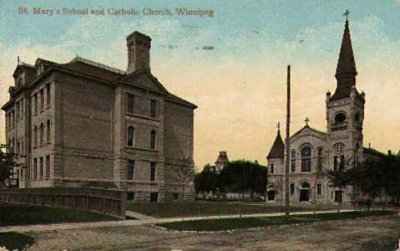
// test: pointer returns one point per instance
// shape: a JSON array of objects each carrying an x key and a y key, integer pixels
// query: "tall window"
[
  {"x": 272, "y": 168},
  {"x": 153, "y": 166},
  {"x": 153, "y": 104},
  {"x": 41, "y": 134},
  {"x": 41, "y": 99},
  {"x": 131, "y": 103},
  {"x": 131, "y": 169},
  {"x": 306, "y": 159},
  {"x": 35, "y": 103},
  {"x": 13, "y": 119},
  {"x": 293, "y": 161},
  {"x": 320, "y": 153},
  {"x": 48, "y": 94},
  {"x": 153, "y": 139},
  {"x": 338, "y": 159},
  {"x": 292, "y": 189},
  {"x": 48, "y": 131},
  {"x": 341, "y": 166},
  {"x": 319, "y": 189},
  {"x": 35, "y": 169},
  {"x": 18, "y": 148},
  {"x": 41, "y": 169},
  {"x": 35, "y": 137},
  {"x": 131, "y": 135},
  {"x": 21, "y": 110},
  {"x": 47, "y": 167},
  {"x": 17, "y": 111}
]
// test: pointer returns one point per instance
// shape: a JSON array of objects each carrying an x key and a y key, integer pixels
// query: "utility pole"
[{"x": 287, "y": 147}]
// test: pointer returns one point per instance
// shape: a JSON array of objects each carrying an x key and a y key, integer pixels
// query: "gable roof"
[
  {"x": 278, "y": 148},
  {"x": 113, "y": 76},
  {"x": 138, "y": 79},
  {"x": 307, "y": 127}
]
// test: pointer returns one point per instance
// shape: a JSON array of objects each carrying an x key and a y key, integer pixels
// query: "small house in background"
[{"x": 222, "y": 161}]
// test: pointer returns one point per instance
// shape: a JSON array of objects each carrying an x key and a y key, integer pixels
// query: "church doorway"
[
  {"x": 271, "y": 195},
  {"x": 305, "y": 192}
]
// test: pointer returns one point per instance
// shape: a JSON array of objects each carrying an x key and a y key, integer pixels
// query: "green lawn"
[
  {"x": 204, "y": 208},
  {"x": 13, "y": 241},
  {"x": 18, "y": 214},
  {"x": 240, "y": 223}
]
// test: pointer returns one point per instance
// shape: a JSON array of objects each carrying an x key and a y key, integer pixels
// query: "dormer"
[
  {"x": 41, "y": 66},
  {"x": 23, "y": 74}
]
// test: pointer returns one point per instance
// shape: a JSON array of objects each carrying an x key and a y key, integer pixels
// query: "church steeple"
[
  {"x": 346, "y": 67},
  {"x": 278, "y": 148}
]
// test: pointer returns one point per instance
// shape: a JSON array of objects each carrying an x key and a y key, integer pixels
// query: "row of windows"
[
  {"x": 40, "y": 169},
  {"x": 15, "y": 115},
  {"x": 40, "y": 96},
  {"x": 131, "y": 106},
  {"x": 131, "y": 137},
  {"x": 306, "y": 186},
  {"x": 131, "y": 170},
  {"x": 10, "y": 120},
  {"x": 41, "y": 134}
]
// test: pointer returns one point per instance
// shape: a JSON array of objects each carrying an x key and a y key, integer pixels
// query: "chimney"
[{"x": 138, "y": 52}]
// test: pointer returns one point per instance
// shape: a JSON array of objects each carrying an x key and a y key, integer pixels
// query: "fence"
[{"x": 110, "y": 202}]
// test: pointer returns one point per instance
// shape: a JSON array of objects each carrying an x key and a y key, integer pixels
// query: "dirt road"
[{"x": 374, "y": 233}]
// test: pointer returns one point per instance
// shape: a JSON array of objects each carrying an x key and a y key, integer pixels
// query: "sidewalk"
[{"x": 148, "y": 221}]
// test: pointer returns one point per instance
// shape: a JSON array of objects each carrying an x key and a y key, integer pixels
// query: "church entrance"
[
  {"x": 305, "y": 192},
  {"x": 271, "y": 195}
]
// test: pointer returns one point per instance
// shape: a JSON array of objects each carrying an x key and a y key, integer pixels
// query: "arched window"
[
  {"x": 306, "y": 159},
  {"x": 319, "y": 189},
  {"x": 293, "y": 161},
  {"x": 41, "y": 133},
  {"x": 153, "y": 139},
  {"x": 340, "y": 117},
  {"x": 320, "y": 153},
  {"x": 357, "y": 117},
  {"x": 338, "y": 158},
  {"x": 131, "y": 135},
  {"x": 48, "y": 131},
  {"x": 305, "y": 192}
]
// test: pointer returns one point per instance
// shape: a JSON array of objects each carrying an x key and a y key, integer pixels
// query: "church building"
[
  {"x": 312, "y": 151},
  {"x": 85, "y": 124}
]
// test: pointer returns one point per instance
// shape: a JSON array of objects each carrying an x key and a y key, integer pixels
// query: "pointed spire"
[
  {"x": 278, "y": 148},
  {"x": 346, "y": 71}
]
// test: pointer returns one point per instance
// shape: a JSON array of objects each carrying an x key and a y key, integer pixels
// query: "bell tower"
[
  {"x": 345, "y": 109},
  {"x": 138, "y": 52}
]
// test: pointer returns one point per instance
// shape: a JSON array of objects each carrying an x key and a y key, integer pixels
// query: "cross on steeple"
[
  {"x": 307, "y": 120},
  {"x": 346, "y": 13},
  {"x": 279, "y": 127}
]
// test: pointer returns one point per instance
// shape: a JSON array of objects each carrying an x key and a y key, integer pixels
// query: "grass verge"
[
  {"x": 18, "y": 214},
  {"x": 13, "y": 241},
  {"x": 253, "y": 222},
  {"x": 205, "y": 208}
]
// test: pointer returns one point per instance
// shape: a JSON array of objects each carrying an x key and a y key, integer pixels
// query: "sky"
[{"x": 232, "y": 64}]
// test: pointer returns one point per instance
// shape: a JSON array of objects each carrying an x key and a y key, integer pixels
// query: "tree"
[
  {"x": 243, "y": 176},
  {"x": 319, "y": 172},
  {"x": 7, "y": 163},
  {"x": 376, "y": 176},
  {"x": 368, "y": 177},
  {"x": 207, "y": 180},
  {"x": 391, "y": 177},
  {"x": 339, "y": 178}
]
